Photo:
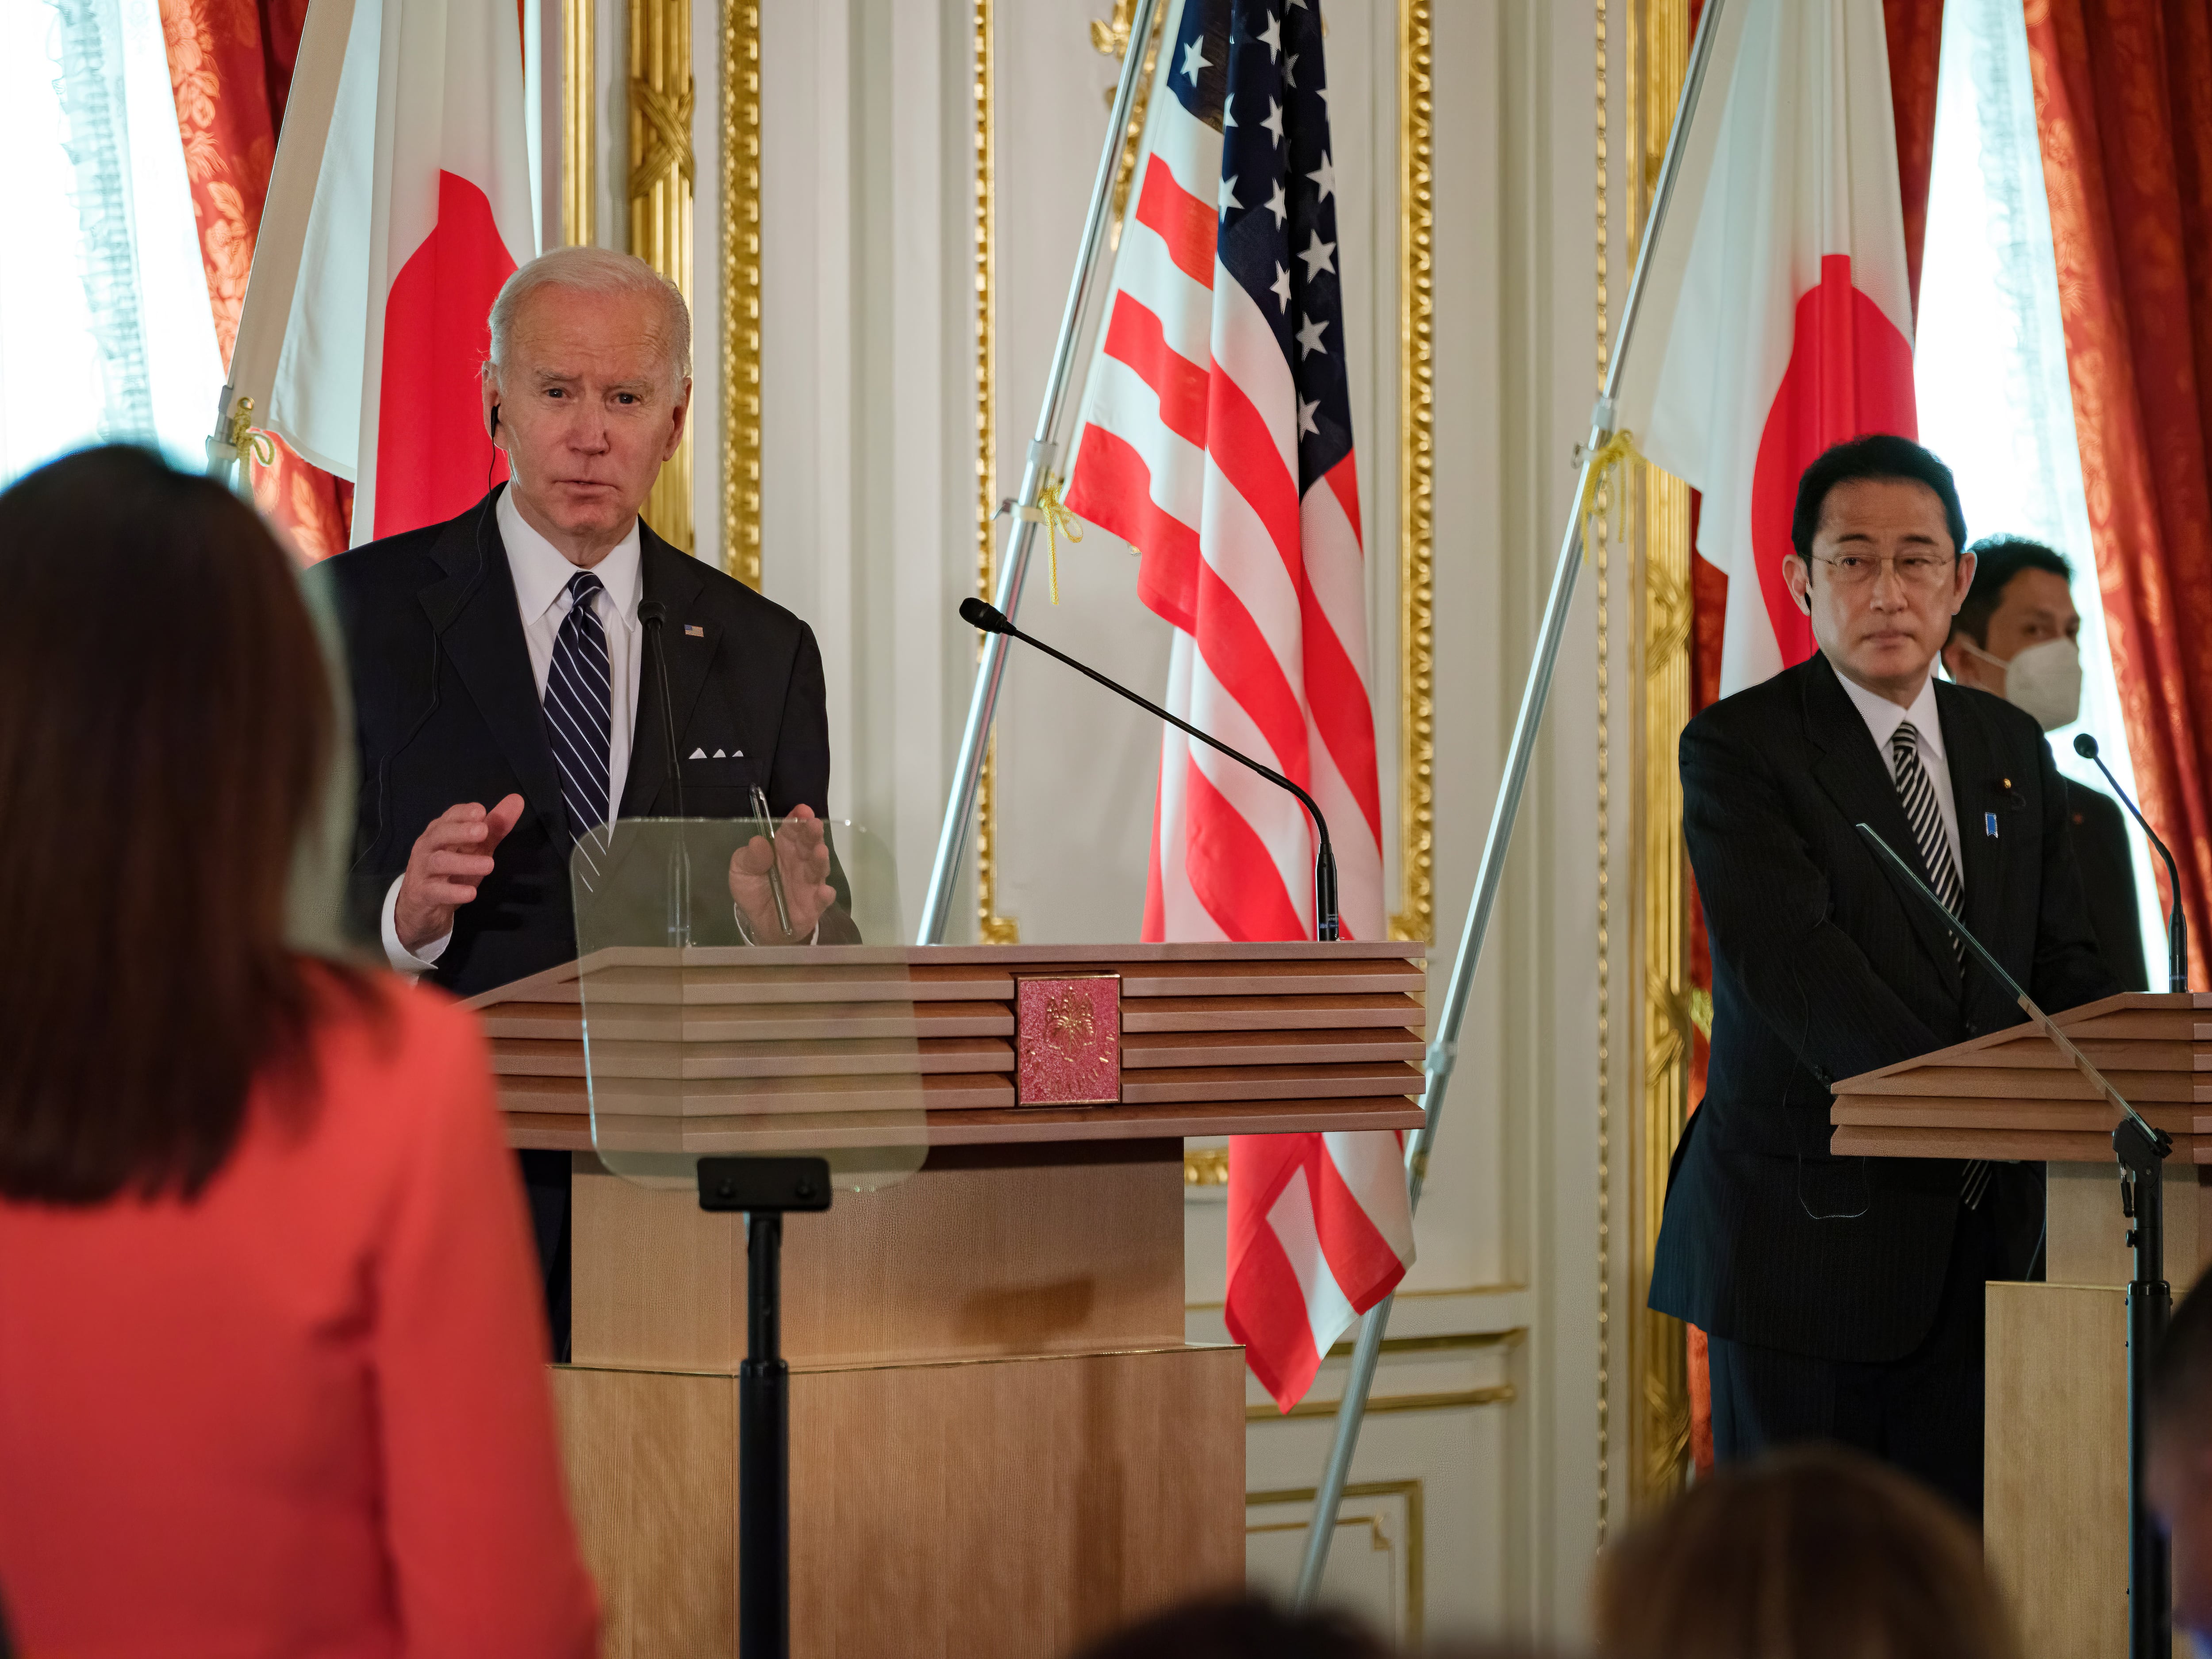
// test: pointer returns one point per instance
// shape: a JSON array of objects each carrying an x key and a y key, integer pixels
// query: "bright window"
[
  {"x": 1989, "y": 363},
  {"x": 105, "y": 329}
]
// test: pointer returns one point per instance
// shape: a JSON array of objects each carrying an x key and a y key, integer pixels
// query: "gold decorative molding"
[
  {"x": 991, "y": 927},
  {"x": 1601, "y": 532},
  {"x": 741, "y": 290},
  {"x": 1111, "y": 37},
  {"x": 660, "y": 197},
  {"x": 578, "y": 143},
  {"x": 1409, "y": 1492},
  {"x": 1206, "y": 1166},
  {"x": 1417, "y": 455},
  {"x": 1658, "y": 531}
]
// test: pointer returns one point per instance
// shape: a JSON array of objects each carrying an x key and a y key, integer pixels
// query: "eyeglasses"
[{"x": 1922, "y": 572}]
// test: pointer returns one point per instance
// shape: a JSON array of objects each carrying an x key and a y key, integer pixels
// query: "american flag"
[{"x": 1216, "y": 437}]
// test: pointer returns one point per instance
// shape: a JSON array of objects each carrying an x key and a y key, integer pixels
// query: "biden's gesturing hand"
[
  {"x": 801, "y": 856},
  {"x": 449, "y": 860}
]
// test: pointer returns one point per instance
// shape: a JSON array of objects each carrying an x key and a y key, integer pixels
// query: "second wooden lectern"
[
  {"x": 2055, "y": 1481},
  {"x": 1000, "y": 1442}
]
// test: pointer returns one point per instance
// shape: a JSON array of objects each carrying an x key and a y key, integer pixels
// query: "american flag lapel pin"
[{"x": 694, "y": 631}]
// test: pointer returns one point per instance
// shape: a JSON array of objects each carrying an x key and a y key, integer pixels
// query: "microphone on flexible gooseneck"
[
  {"x": 992, "y": 620},
  {"x": 653, "y": 614},
  {"x": 2177, "y": 925}
]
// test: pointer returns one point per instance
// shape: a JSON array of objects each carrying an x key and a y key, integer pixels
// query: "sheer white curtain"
[
  {"x": 1989, "y": 361},
  {"x": 105, "y": 329}
]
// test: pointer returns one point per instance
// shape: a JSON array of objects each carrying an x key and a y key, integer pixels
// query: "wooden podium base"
[{"x": 999, "y": 1442}]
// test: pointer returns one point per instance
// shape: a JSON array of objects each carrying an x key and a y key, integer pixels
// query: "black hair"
[
  {"x": 1997, "y": 560},
  {"x": 1877, "y": 455}
]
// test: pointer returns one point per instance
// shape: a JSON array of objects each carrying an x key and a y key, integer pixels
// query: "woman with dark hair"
[
  {"x": 1815, "y": 1554},
  {"x": 269, "y": 1333}
]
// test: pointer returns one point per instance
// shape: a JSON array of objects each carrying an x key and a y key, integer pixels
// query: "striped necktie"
[
  {"x": 1918, "y": 796},
  {"x": 579, "y": 708}
]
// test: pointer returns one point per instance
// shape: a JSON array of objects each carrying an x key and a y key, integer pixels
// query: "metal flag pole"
[
  {"x": 1598, "y": 451},
  {"x": 1044, "y": 452}
]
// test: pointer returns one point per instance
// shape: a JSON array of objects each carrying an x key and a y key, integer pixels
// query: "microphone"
[
  {"x": 2177, "y": 925},
  {"x": 654, "y": 615},
  {"x": 992, "y": 620}
]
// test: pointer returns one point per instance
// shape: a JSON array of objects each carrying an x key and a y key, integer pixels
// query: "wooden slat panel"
[
  {"x": 864, "y": 1057},
  {"x": 1209, "y": 1083},
  {"x": 1991, "y": 1081},
  {"x": 2145, "y": 1054},
  {"x": 1257, "y": 1117},
  {"x": 760, "y": 1023},
  {"x": 1964, "y": 1112},
  {"x": 2027, "y": 1146},
  {"x": 816, "y": 982},
  {"x": 1142, "y": 1050},
  {"x": 1286, "y": 1014},
  {"x": 1325, "y": 977}
]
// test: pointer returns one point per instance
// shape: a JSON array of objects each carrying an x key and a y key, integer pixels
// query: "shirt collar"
[
  {"x": 542, "y": 572},
  {"x": 1883, "y": 717}
]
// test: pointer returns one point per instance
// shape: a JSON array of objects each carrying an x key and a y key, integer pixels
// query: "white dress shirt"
[
  {"x": 1883, "y": 717},
  {"x": 542, "y": 574}
]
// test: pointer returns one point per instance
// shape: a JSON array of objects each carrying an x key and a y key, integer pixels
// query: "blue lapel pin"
[{"x": 1989, "y": 825}]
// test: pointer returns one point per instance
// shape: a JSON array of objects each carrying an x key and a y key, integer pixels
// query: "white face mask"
[{"x": 2043, "y": 679}]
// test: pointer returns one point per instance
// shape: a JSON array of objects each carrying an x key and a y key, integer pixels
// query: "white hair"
[{"x": 593, "y": 271}]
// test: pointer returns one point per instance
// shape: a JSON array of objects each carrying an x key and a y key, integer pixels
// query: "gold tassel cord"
[
  {"x": 1052, "y": 513},
  {"x": 1610, "y": 454}
]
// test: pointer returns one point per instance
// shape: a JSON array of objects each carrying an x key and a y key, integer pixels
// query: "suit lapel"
[
  {"x": 473, "y": 611},
  {"x": 1850, "y": 770},
  {"x": 1978, "y": 790},
  {"x": 674, "y": 579}
]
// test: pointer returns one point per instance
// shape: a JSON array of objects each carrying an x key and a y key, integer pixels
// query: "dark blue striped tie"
[
  {"x": 579, "y": 708},
  {"x": 1918, "y": 795}
]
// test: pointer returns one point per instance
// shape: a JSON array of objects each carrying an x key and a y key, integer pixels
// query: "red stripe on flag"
[
  {"x": 1231, "y": 869},
  {"x": 1183, "y": 222},
  {"x": 1134, "y": 336},
  {"x": 1362, "y": 1262},
  {"x": 1244, "y": 663},
  {"x": 1265, "y": 1306},
  {"x": 1244, "y": 449},
  {"x": 1343, "y": 480},
  {"x": 1342, "y": 714},
  {"x": 1113, "y": 489}
]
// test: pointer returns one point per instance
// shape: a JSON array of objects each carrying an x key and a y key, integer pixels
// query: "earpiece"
[{"x": 494, "y": 431}]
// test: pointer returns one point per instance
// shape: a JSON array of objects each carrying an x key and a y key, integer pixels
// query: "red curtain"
[
  {"x": 2124, "y": 104},
  {"x": 1914, "y": 29},
  {"x": 230, "y": 64}
]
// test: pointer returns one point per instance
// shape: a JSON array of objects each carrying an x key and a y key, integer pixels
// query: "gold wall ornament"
[
  {"x": 660, "y": 202},
  {"x": 1417, "y": 457},
  {"x": 1409, "y": 1492},
  {"x": 741, "y": 290},
  {"x": 1111, "y": 37},
  {"x": 579, "y": 174},
  {"x": 991, "y": 927},
  {"x": 1658, "y": 530}
]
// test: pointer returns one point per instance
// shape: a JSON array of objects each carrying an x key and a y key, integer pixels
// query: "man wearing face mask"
[
  {"x": 1842, "y": 1297},
  {"x": 2014, "y": 637}
]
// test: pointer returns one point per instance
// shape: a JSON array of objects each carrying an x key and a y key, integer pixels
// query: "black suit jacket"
[
  {"x": 2108, "y": 882},
  {"x": 1824, "y": 967},
  {"x": 447, "y": 710}
]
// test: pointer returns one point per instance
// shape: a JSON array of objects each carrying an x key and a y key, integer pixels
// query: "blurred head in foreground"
[
  {"x": 1813, "y": 1554},
  {"x": 2180, "y": 1476},
  {"x": 166, "y": 725},
  {"x": 1240, "y": 1628}
]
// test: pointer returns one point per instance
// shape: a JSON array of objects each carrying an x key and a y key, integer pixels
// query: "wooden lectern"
[
  {"x": 2055, "y": 1481},
  {"x": 1000, "y": 1442}
]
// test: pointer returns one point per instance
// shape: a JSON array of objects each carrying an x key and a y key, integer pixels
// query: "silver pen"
[{"x": 775, "y": 875}]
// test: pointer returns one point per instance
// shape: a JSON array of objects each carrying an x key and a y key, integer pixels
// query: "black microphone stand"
[
  {"x": 764, "y": 1189},
  {"x": 992, "y": 620},
  {"x": 2140, "y": 1149},
  {"x": 2177, "y": 924}
]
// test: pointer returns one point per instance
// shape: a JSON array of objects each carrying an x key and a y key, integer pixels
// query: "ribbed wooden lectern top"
[{"x": 1001, "y": 1443}]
